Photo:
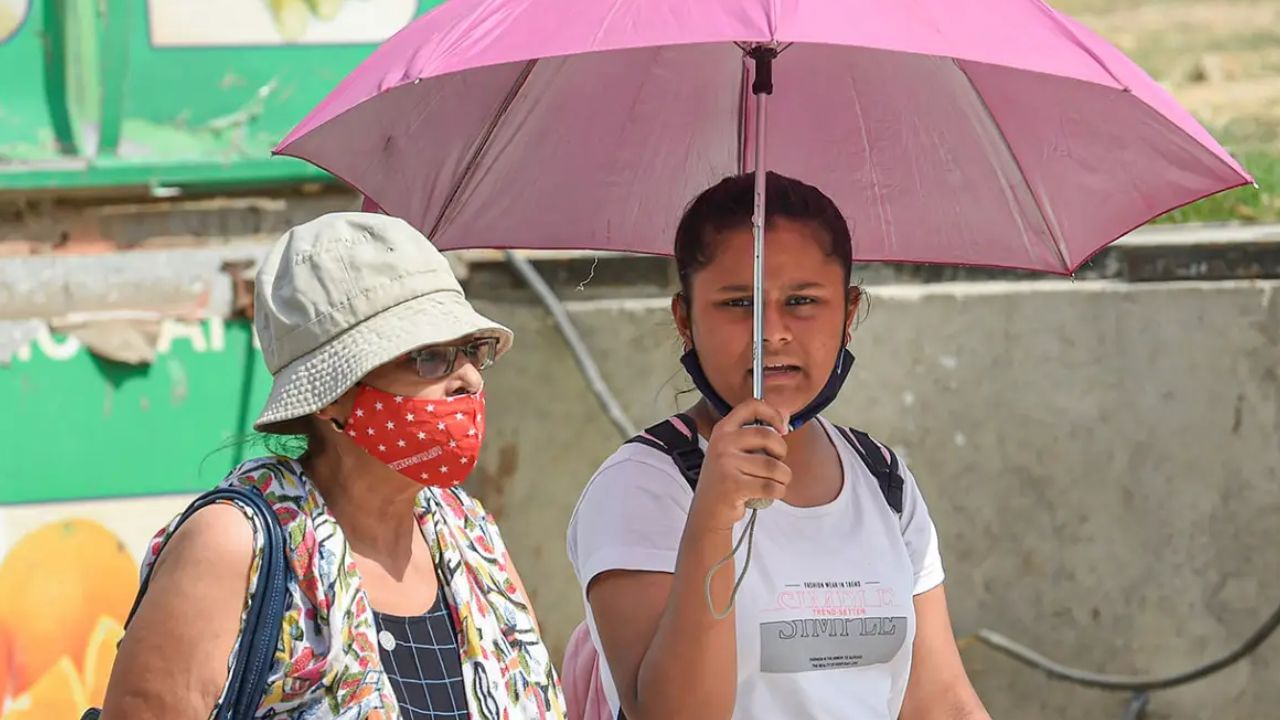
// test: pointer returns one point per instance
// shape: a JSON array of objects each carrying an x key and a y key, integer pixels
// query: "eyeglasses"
[{"x": 436, "y": 361}]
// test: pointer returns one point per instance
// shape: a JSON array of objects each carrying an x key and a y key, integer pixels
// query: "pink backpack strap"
[
  {"x": 583, "y": 689},
  {"x": 677, "y": 438}
]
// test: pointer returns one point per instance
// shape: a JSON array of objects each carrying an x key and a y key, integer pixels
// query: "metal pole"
[
  {"x": 757, "y": 228},
  {"x": 577, "y": 346},
  {"x": 763, "y": 56},
  {"x": 761, "y": 87}
]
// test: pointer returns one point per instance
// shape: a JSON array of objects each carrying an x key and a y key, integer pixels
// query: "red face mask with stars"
[{"x": 432, "y": 442}]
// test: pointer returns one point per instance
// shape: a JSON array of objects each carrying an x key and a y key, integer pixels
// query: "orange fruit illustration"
[
  {"x": 58, "y": 581},
  {"x": 57, "y": 695},
  {"x": 98, "y": 658},
  {"x": 4, "y": 665}
]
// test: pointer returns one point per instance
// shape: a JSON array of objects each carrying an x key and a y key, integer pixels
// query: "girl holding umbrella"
[{"x": 842, "y": 613}]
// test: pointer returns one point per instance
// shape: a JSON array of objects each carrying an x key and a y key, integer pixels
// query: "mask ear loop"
[{"x": 341, "y": 425}]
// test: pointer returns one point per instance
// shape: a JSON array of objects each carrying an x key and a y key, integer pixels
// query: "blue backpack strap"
[
  {"x": 677, "y": 438},
  {"x": 884, "y": 470},
  {"x": 263, "y": 621}
]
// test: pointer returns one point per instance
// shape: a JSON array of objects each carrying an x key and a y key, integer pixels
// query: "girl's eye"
[{"x": 745, "y": 302}]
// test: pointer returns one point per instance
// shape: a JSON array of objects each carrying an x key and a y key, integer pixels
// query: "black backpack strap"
[
  {"x": 885, "y": 470},
  {"x": 676, "y": 437},
  {"x": 262, "y": 623}
]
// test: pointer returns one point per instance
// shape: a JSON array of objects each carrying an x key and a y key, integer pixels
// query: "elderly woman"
[{"x": 402, "y": 600}]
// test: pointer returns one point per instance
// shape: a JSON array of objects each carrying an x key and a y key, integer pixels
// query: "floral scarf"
[{"x": 327, "y": 663}]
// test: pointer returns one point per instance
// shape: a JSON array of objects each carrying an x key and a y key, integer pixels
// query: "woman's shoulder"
[
  {"x": 269, "y": 474},
  {"x": 232, "y": 524},
  {"x": 215, "y": 536},
  {"x": 219, "y": 538},
  {"x": 284, "y": 484}
]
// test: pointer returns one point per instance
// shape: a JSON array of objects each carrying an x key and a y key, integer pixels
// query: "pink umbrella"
[{"x": 999, "y": 133}]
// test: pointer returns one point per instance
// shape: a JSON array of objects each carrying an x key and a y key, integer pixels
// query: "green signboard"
[
  {"x": 96, "y": 457},
  {"x": 172, "y": 95},
  {"x": 77, "y": 427}
]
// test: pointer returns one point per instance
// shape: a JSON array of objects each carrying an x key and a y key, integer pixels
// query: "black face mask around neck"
[{"x": 826, "y": 396}]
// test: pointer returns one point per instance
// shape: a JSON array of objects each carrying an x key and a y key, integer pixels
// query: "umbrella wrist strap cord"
[{"x": 748, "y": 535}]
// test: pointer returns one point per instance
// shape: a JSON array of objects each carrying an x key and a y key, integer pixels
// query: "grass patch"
[
  {"x": 1246, "y": 204},
  {"x": 1221, "y": 59}
]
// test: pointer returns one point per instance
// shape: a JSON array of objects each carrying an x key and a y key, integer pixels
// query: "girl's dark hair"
[{"x": 728, "y": 205}]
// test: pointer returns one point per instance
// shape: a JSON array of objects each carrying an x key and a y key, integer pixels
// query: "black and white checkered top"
[{"x": 421, "y": 657}]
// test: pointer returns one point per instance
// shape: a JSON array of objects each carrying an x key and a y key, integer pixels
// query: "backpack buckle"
[{"x": 689, "y": 462}]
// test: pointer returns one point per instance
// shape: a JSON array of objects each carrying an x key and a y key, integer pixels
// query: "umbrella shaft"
[{"x": 757, "y": 227}]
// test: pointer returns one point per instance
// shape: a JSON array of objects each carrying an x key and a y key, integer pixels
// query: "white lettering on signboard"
[{"x": 203, "y": 336}]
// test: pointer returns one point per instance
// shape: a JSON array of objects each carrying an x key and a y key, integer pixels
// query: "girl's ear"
[
  {"x": 680, "y": 314},
  {"x": 853, "y": 302}
]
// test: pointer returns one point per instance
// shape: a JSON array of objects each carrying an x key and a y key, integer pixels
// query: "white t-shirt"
[{"x": 825, "y": 617}]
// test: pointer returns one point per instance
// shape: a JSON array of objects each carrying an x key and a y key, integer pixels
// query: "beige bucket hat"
[{"x": 340, "y": 295}]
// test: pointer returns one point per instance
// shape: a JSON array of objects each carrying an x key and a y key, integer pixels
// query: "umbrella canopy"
[{"x": 1000, "y": 134}]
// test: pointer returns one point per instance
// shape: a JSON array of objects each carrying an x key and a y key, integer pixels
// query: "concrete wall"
[{"x": 1102, "y": 461}]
